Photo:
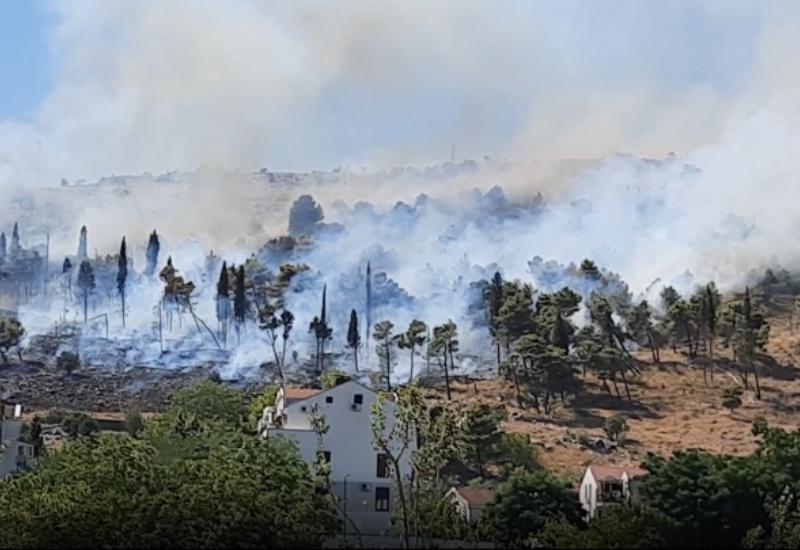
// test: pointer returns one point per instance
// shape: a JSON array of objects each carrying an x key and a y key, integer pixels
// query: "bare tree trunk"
[
  {"x": 627, "y": 389},
  {"x": 411, "y": 374},
  {"x": 447, "y": 377},
  {"x": 758, "y": 385},
  {"x": 123, "y": 307}
]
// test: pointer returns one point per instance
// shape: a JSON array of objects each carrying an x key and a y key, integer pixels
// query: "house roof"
[
  {"x": 615, "y": 472},
  {"x": 295, "y": 394},
  {"x": 475, "y": 496}
]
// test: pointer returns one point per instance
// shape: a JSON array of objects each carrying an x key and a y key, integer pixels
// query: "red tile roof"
[
  {"x": 476, "y": 496},
  {"x": 296, "y": 394},
  {"x": 615, "y": 472}
]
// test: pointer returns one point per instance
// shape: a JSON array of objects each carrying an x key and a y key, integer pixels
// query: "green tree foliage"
[
  {"x": 412, "y": 339},
  {"x": 625, "y": 526},
  {"x": 386, "y": 342},
  {"x": 114, "y": 491},
  {"x": 86, "y": 284},
  {"x": 784, "y": 532},
  {"x": 68, "y": 362},
  {"x": 751, "y": 333},
  {"x": 516, "y": 451},
  {"x": 321, "y": 330},
  {"x": 79, "y": 424},
  {"x": 515, "y": 318},
  {"x": 209, "y": 401},
  {"x": 240, "y": 299},
  {"x": 642, "y": 330},
  {"x": 480, "y": 427},
  {"x": 524, "y": 504},
  {"x": 11, "y": 334},
  {"x": 332, "y": 378},
  {"x": 134, "y": 422},
  {"x": 223, "y": 302}
]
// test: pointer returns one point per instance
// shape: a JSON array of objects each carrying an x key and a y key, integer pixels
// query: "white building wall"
[
  {"x": 9, "y": 445},
  {"x": 354, "y": 460},
  {"x": 588, "y": 494}
]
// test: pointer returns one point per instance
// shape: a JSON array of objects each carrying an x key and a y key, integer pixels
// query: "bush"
[
  {"x": 68, "y": 362},
  {"x": 615, "y": 428},
  {"x": 134, "y": 422},
  {"x": 332, "y": 378}
]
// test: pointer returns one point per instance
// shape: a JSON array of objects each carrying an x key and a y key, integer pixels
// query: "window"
[
  {"x": 383, "y": 465},
  {"x": 382, "y": 499},
  {"x": 358, "y": 399},
  {"x": 303, "y": 408},
  {"x": 329, "y": 399}
]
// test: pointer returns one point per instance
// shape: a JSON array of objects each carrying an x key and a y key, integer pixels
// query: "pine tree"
[
  {"x": 411, "y": 339},
  {"x": 322, "y": 332},
  {"x": 86, "y": 283},
  {"x": 481, "y": 434},
  {"x": 153, "y": 247},
  {"x": 122, "y": 276},
  {"x": 494, "y": 301},
  {"x": 14, "y": 248},
  {"x": 353, "y": 337},
  {"x": 2, "y": 247},
  {"x": 445, "y": 341},
  {"x": 386, "y": 340}
]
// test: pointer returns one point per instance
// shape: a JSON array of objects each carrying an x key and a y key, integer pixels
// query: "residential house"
[
  {"x": 360, "y": 474},
  {"x": 608, "y": 485},
  {"x": 470, "y": 501},
  {"x": 14, "y": 454}
]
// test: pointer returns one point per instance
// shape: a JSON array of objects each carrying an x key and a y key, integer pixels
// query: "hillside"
[{"x": 671, "y": 407}]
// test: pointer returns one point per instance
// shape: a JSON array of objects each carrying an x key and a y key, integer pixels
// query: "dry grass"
[{"x": 672, "y": 408}]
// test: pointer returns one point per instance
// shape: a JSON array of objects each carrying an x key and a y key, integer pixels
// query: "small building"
[
  {"x": 360, "y": 474},
  {"x": 608, "y": 485},
  {"x": 15, "y": 455},
  {"x": 470, "y": 501}
]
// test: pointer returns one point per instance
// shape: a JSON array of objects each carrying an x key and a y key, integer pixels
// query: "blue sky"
[{"x": 24, "y": 61}]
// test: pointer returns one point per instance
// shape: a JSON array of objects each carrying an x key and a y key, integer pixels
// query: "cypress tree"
[
  {"x": 353, "y": 337},
  {"x": 86, "y": 284},
  {"x": 2, "y": 246},
  {"x": 153, "y": 247},
  {"x": 239, "y": 299},
  {"x": 122, "y": 276}
]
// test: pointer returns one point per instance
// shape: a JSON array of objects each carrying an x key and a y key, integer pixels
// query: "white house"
[
  {"x": 470, "y": 501},
  {"x": 359, "y": 473},
  {"x": 608, "y": 485},
  {"x": 14, "y": 454}
]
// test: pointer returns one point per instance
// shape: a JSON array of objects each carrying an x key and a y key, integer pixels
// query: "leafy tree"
[
  {"x": 444, "y": 345},
  {"x": 625, "y": 526},
  {"x": 515, "y": 318},
  {"x": 114, "y": 491},
  {"x": 516, "y": 451},
  {"x": 79, "y": 425},
  {"x": 411, "y": 339},
  {"x": 524, "y": 504},
  {"x": 134, "y": 422},
  {"x": 122, "y": 276},
  {"x": 153, "y": 247},
  {"x": 11, "y": 334},
  {"x": 261, "y": 401},
  {"x": 386, "y": 341},
  {"x": 86, "y": 284},
  {"x": 68, "y": 362},
  {"x": 669, "y": 297},
  {"x": 589, "y": 270},
  {"x": 616, "y": 426},
  {"x": 210, "y": 401},
  {"x": 435, "y": 433},
  {"x": 784, "y": 515},
  {"x": 480, "y": 426},
  {"x": 353, "y": 336}
]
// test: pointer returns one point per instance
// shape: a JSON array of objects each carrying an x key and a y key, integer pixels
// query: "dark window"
[
  {"x": 303, "y": 408},
  {"x": 383, "y": 465},
  {"x": 382, "y": 499},
  {"x": 358, "y": 399},
  {"x": 329, "y": 399}
]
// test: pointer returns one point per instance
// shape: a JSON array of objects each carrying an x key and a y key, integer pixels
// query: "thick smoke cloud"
[{"x": 559, "y": 87}]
